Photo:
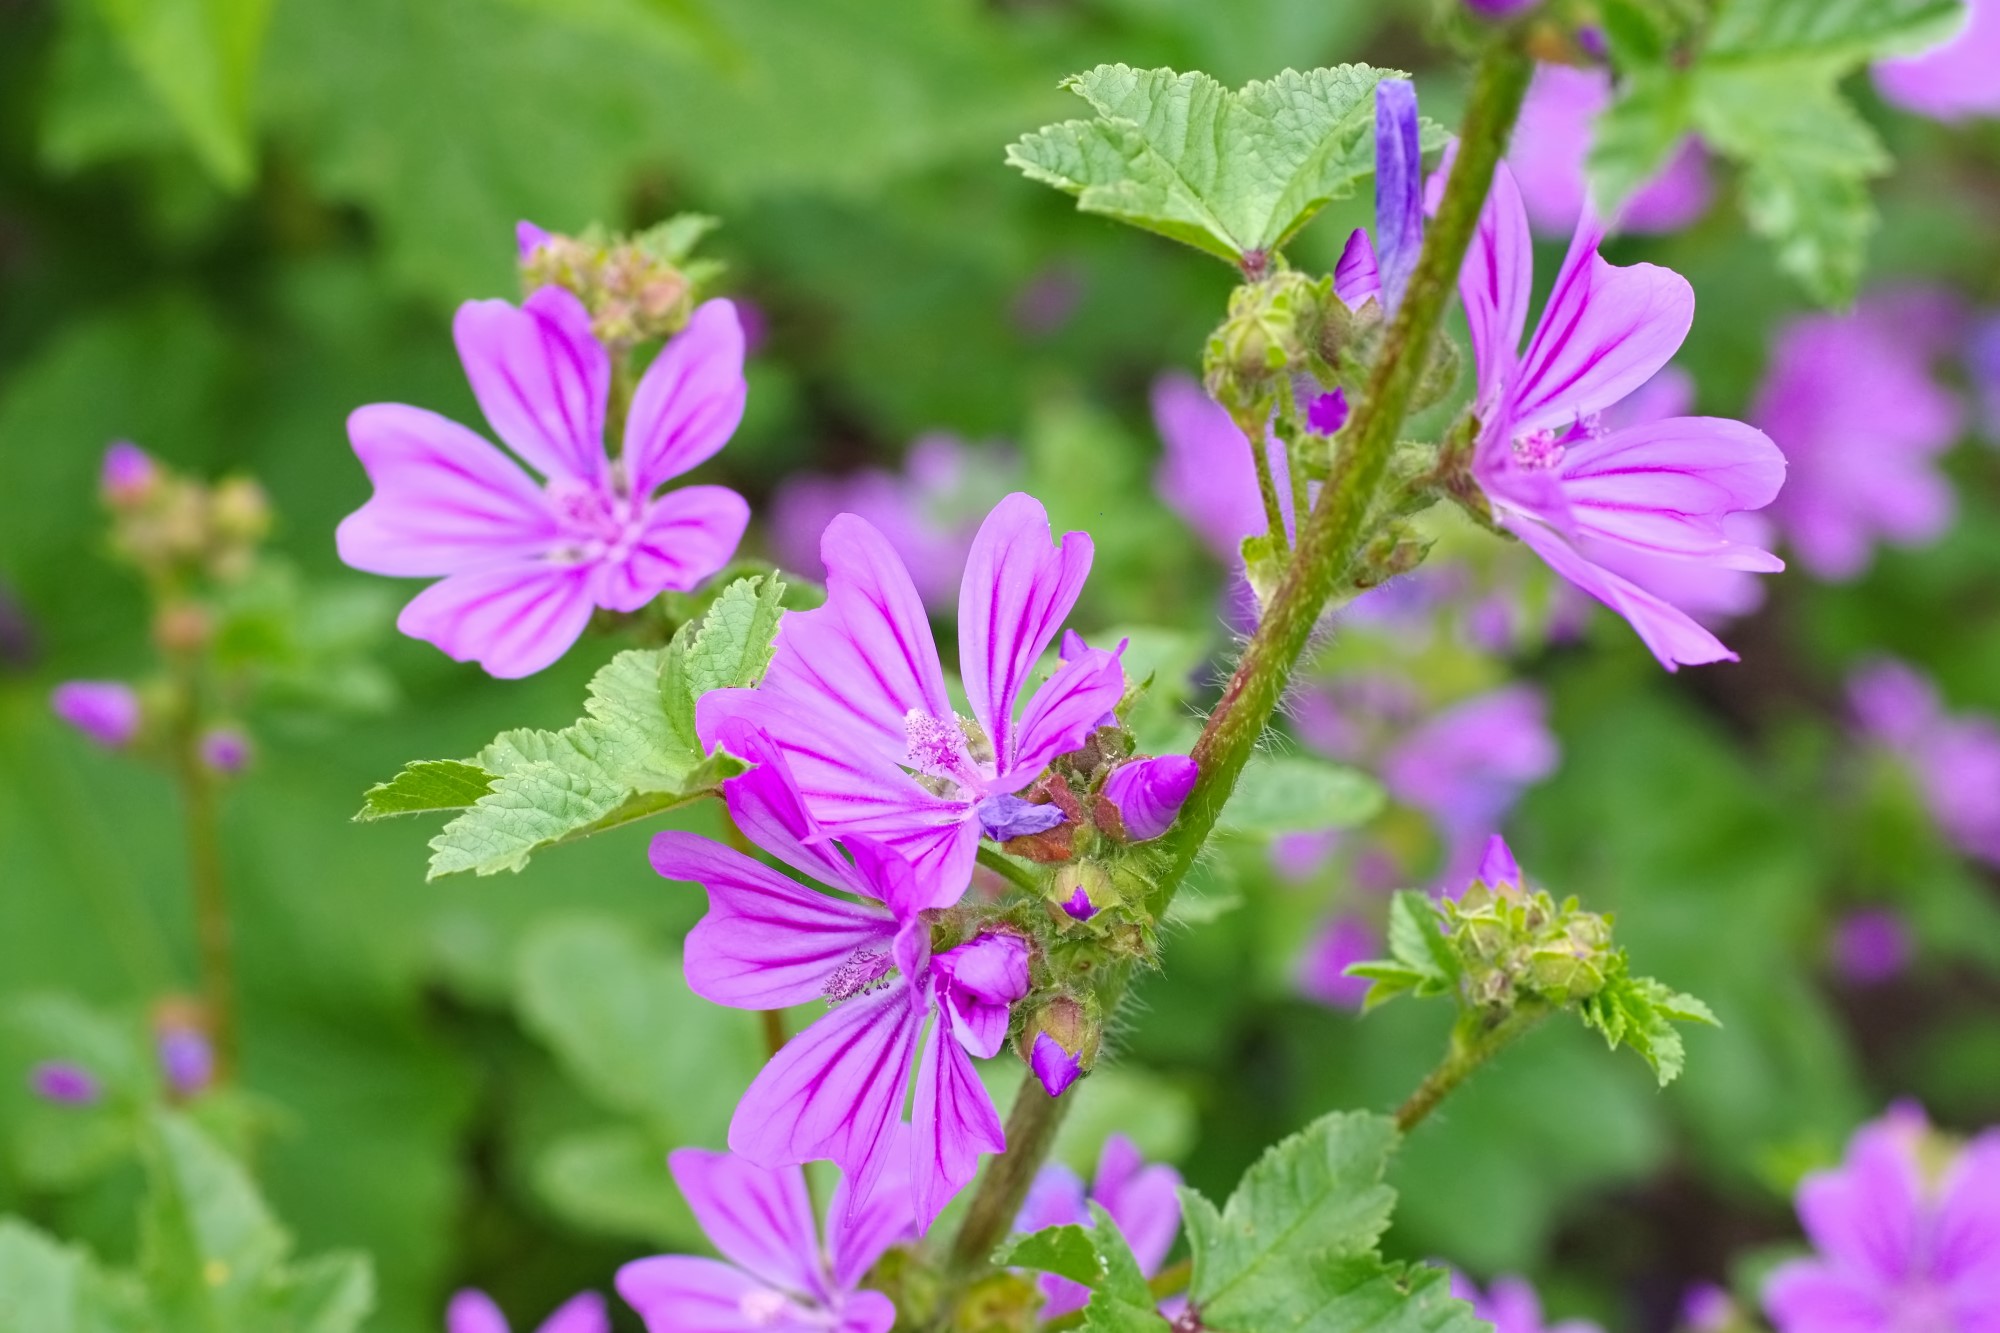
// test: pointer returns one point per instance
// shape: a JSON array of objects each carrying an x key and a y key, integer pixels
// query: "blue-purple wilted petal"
[
  {"x": 1004, "y": 817},
  {"x": 1054, "y": 1066},
  {"x": 1326, "y": 414},
  {"x": 1399, "y": 188}
]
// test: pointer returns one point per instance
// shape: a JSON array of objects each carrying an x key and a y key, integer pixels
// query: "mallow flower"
[
  {"x": 1142, "y": 1198},
  {"x": 523, "y": 559},
  {"x": 836, "y": 1090},
  {"x": 1953, "y": 759},
  {"x": 473, "y": 1311},
  {"x": 774, "y": 1272},
  {"x": 1551, "y": 471},
  {"x": 1954, "y": 80},
  {"x": 1864, "y": 423},
  {"x": 1552, "y": 141},
  {"x": 1205, "y": 473},
  {"x": 1467, "y": 764},
  {"x": 1511, "y": 1305},
  {"x": 855, "y": 694},
  {"x": 1339, "y": 943},
  {"x": 1907, "y": 1232}
]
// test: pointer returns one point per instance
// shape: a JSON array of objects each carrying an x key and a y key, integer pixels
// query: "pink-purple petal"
[
  {"x": 689, "y": 401},
  {"x": 953, "y": 1120},
  {"x": 1494, "y": 285},
  {"x": 688, "y": 535},
  {"x": 1806, "y": 1296},
  {"x": 1063, "y": 712},
  {"x": 1356, "y": 278},
  {"x": 768, "y": 808},
  {"x": 1966, "y": 1240},
  {"x": 1673, "y": 636},
  {"x": 541, "y": 378},
  {"x": 1664, "y": 488},
  {"x": 1866, "y": 1215},
  {"x": 676, "y": 1293},
  {"x": 513, "y": 620},
  {"x": 767, "y": 942},
  {"x": 1143, "y": 1198},
  {"x": 473, "y": 1311},
  {"x": 1018, "y": 589},
  {"x": 445, "y": 500},
  {"x": 581, "y": 1313},
  {"x": 759, "y": 1219},
  {"x": 859, "y": 1235}
]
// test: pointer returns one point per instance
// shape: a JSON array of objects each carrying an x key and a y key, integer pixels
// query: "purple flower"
[
  {"x": 1150, "y": 792},
  {"x": 1327, "y": 413},
  {"x": 128, "y": 475},
  {"x": 1707, "y": 1308},
  {"x": 1054, "y": 1066},
  {"x": 522, "y": 563},
  {"x": 856, "y": 699},
  {"x": 1207, "y": 475},
  {"x": 187, "y": 1059},
  {"x": 1511, "y": 1306},
  {"x": 64, "y": 1082},
  {"x": 929, "y": 511},
  {"x": 473, "y": 1311},
  {"x": 1554, "y": 475},
  {"x": 1852, "y": 401},
  {"x": 107, "y": 711},
  {"x": 1339, "y": 943},
  {"x": 1871, "y": 945},
  {"x": 1048, "y": 300},
  {"x": 1468, "y": 764},
  {"x": 1497, "y": 865},
  {"x": 1144, "y": 1201},
  {"x": 836, "y": 1090},
  {"x": 1955, "y": 79},
  {"x": 226, "y": 750},
  {"x": 1380, "y": 270},
  {"x": 1903, "y": 1243},
  {"x": 1982, "y": 363},
  {"x": 1552, "y": 141},
  {"x": 774, "y": 1273},
  {"x": 1955, "y": 761}
]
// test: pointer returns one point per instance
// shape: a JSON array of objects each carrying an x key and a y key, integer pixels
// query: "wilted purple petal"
[
  {"x": 129, "y": 473},
  {"x": 1018, "y": 589},
  {"x": 1336, "y": 946},
  {"x": 1055, "y": 1067},
  {"x": 1078, "y": 905},
  {"x": 1871, "y": 946},
  {"x": 689, "y": 401},
  {"x": 107, "y": 711},
  {"x": 64, "y": 1082},
  {"x": 1327, "y": 413},
  {"x": 1399, "y": 181},
  {"x": 1955, "y": 79},
  {"x": 1149, "y": 793},
  {"x": 952, "y": 1121},
  {"x": 1005, "y": 816}
]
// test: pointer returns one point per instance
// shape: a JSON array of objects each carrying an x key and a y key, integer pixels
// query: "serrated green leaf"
[
  {"x": 1097, "y": 1257},
  {"x": 1067, "y": 1251},
  {"x": 1635, "y": 136},
  {"x": 1640, "y": 1012},
  {"x": 734, "y": 643},
  {"x": 1852, "y": 30},
  {"x": 199, "y": 58},
  {"x": 425, "y": 786},
  {"x": 1226, "y": 172},
  {"x": 1416, "y": 939},
  {"x": 1295, "y": 794}
]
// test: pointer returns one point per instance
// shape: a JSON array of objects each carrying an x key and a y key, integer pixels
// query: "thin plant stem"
[
  {"x": 774, "y": 1031},
  {"x": 1008, "y": 869},
  {"x": 1471, "y": 1046},
  {"x": 1255, "y": 431},
  {"x": 213, "y": 934},
  {"x": 1031, "y": 1132}
]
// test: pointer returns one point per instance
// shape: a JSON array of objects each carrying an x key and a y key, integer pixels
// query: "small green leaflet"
[
  {"x": 1229, "y": 173},
  {"x": 1640, "y": 1012},
  {"x": 1293, "y": 794},
  {"x": 1098, "y": 1257},
  {"x": 1295, "y": 1246},
  {"x": 1763, "y": 90},
  {"x": 1421, "y": 960},
  {"x": 633, "y": 755}
]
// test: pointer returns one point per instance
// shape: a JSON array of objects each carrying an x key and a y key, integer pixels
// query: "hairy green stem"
[
  {"x": 1331, "y": 537},
  {"x": 1253, "y": 428},
  {"x": 1472, "y": 1045}
]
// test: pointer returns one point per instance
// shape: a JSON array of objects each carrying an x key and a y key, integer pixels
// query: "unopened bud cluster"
[
  {"x": 636, "y": 287},
  {"x": 1516, "y": 943},
  {"x": 175, "y": 529}
]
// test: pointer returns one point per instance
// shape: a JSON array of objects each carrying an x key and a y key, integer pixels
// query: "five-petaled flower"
[
  {"x": 836, "y": 1090},
  {"x": 473, "y": 1311},
  {"x": 855, "y": 695},
  {"x": 777, "y": 1275},
  {"x": 1551, "y": 472},
  {"x": 522, "y": 563}
]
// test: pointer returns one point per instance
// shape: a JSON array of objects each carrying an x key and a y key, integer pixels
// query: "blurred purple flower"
[
  {"x": 1340, "y": 942},
  {"x": 64, "y": 1082},
  {"x": 929, "y": 511},
  {"x": 522, "y": 563},
  {"x": 1466, "y": 765},
  {"x": 774, "y": 1272},
  {"x": 1955, "y": 760},
  {"x": 836, "y": 1090},
  {"x": 855, "y": 693},
  {"x": 1142, "y": 1199},
  {"x": 1150, "y": 792},
  {"x": 1511, "y": 1306},
  {"x": 1904, "y": 1246},
  {"x": 1207, "y": 475},
  {"x": 187, "y": 1059},
  {"x": 1852, "y": 402},
  {"x": 1048, "y": 300},
  {"x": 473, "y": 1311},
  {"x": 1982, "y": 362},
  {"x": 226, "y": 750},
  {"x": 107, "y": 711},
  {"x": 1871, "y": 945},
  {"x": 1955, "y": 79},
  {"x": 1552, "y": 141},
  {"x": 128, "y": 475},
  {"x": 1707, "y": 1308},
  {"x": 1555, "y": 476}
]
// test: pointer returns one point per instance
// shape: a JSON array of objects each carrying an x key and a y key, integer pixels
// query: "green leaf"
[
  {"x": 1067, "y": 1251},
  {"x": 199, "y": 58},
  {"x": 1226, "y": 172},
  {"x": 1295, "y": 1247},
  {"x": 1098, "y": 1257},
  {"x": 735, "y": 641},
  {"x": 1416, "y": 937},
  {"x": 1640, "y": 1012},
  {"x": 612, "y": 1180},
  {"x": 425, "y": 786},
  {"x": 1851, "y": 30},
  {"x": 1295, "y": 794},
  {"x": 48, "y": 1287}
]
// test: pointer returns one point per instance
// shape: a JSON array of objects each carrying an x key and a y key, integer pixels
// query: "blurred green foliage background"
[{"x": 223, "y": 225}]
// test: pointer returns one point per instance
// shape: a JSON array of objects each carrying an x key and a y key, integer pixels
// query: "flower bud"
[
  {"x": 226, "y": 750},
  {"x": 240, "y": 512},
  {"x": 1061, "y": 1042},
  {"x": 1326, "y": 414},
  {"x": 107, "y": 711},
  {"x": 1083, "y": 889},
  {"x": 1149, "y": 793},
  {"x": 65, "y": 1083},
  {"x": 182, "y": 627},
  {"x": 128, "y": 477},
  {"x": 1269, "y": 326}
]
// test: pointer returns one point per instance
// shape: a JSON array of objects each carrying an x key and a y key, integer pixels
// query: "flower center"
[
  {"x": 599, "y": 521},
  {"x": 938, "y": 749},
  {"x": 763, "y": 1308},
  {"x": 1541, "y": 450},
  {"x": 858, "y": 973}
]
